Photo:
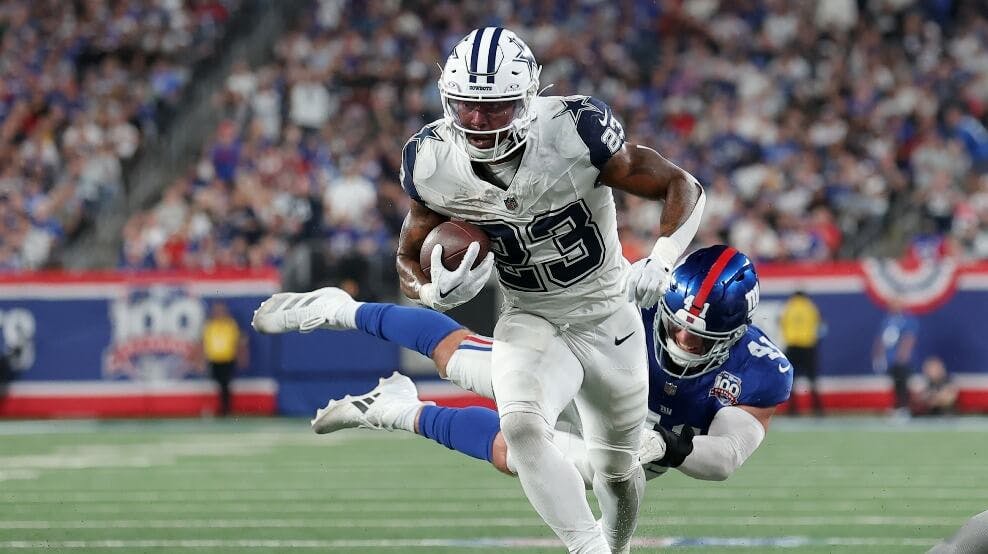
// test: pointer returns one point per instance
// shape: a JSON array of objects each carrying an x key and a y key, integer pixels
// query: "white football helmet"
[{"x": 490, "y": 65}]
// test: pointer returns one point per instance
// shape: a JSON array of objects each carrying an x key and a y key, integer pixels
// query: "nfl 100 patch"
[{"x": 727, "y": 388}]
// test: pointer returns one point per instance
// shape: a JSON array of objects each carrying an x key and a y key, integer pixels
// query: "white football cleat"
[
  {"x": 326, "y": 308},
  {"x": 387, "y": 407}
]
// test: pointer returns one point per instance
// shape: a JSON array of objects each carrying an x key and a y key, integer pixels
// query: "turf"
[{"x": 252, "y": 485}]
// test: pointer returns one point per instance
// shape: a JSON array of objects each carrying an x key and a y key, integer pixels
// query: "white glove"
[
  {"x": 449, "y": 289},
  {"x": 651, "y": 450},
  {"x": 648, "y": 278}
]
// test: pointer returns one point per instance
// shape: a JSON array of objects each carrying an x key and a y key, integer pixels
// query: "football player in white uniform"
[{"x": 531, "y": 172}]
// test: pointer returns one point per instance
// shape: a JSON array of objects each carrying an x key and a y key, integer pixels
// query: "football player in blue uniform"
[{"x": 715, "y": 379}]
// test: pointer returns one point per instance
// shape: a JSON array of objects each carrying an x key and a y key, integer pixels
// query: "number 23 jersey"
[
  {"x": 756, "y": 373},
  {"x": 553, "y": 230}
]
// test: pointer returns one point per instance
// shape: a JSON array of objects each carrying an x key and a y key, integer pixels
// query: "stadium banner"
[
  {"x": 127, "y": 344},
  {"x": 949, "y": 299}
]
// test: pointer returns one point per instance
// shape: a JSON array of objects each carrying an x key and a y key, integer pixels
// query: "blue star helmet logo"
[
  {"x": 427, "y": 133},
  {"x": 575, "y": 106},
  {"x": 524, "y": 55}
]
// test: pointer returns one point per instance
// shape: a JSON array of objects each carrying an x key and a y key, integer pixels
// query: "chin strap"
[
  {"x": 506, "y": 146},
  {"x": 675, "y": 352}
]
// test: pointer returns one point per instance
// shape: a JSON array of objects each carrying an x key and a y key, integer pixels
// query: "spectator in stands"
[
  {"x": 311, "y": 104},
  {"x": 226, "y": 154},
  {"x": 893, "y": 352},
  {"x": 225, "y": 350},
  {"x": 971, "y": 133},
  {"x": 801, "y": 328},
  {"x": 938, "y": 395}
]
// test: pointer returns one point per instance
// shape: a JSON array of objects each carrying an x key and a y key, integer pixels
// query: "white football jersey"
[{"x": 553, "y": 230}]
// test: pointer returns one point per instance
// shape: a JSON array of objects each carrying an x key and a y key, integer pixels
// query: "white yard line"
[
  {"x": 163, "y": 454},
  {"x": 388, "y": 494},
  {"x": 19, "y": 474},
  {"x": 521, "y": 542},
  {"x": 468, "y": 522},
  {"x": 762, "y": 507}
]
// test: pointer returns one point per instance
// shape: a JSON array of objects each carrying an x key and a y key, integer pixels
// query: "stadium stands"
[
  {"x": 808, "y": 123},
  {"x": 82, "y": 87},
  {"x": 822, "y": 130}
]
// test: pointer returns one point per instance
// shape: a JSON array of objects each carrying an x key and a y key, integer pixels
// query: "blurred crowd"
[
  {"x": 82, "y": 85},
  {"x": 812, "y": 124}
]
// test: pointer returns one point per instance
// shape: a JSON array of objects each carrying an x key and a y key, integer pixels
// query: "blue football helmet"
[{"x": 707, "y": 309}]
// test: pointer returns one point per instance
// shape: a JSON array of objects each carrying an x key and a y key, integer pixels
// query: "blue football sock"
[
  {"x": 467, "y": 430},
  {"x": 416, "y": 328}
]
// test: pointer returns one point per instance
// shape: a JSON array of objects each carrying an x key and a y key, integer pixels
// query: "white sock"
[
  {"x": 348, "y": 314},
  {"x": 471, "y": 370},
  {"x": 405, "y": 415}
]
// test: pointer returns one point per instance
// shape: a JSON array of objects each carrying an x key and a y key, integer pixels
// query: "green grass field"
[{"x": 270, "y": 485}]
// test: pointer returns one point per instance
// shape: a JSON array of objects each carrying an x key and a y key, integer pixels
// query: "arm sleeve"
[
  {"x": 734, "y": 436},
  {"x": 669, "y": 249}
]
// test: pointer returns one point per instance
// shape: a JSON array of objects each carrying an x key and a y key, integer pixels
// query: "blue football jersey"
[{"x": 756, "y": 373}]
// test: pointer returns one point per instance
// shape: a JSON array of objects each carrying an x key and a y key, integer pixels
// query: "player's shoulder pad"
[
  {"x": 417, "y": 158},
  {"x": 596, "y": 127},
  {"x": 765, "y": 371}
]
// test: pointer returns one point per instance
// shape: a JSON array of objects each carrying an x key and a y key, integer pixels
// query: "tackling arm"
[
  {"x": 734, "y": 435},
  {"x": 419, "y": 221}
]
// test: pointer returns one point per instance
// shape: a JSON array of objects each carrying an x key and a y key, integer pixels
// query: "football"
[{"x": 455, "y": 236}]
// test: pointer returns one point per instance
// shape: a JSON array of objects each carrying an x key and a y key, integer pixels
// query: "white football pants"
[{"x": 537, "y": 369}]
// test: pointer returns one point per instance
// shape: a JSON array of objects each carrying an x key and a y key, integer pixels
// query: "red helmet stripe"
[{"x": 711, "y": 279}]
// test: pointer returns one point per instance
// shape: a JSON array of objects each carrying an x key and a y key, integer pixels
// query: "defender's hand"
[
  {"x": 678, "y": 447},
  {"x": 449, "y": 289}
]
